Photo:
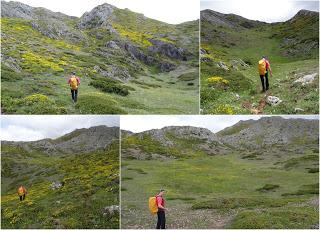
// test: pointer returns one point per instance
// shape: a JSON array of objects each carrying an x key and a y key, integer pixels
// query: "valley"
[{"x": 241, "y": 177}]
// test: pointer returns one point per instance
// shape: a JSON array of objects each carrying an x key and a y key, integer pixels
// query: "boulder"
[
  {"x": 222, "y": 65},
  {"x": 112, "y": 45},
  {"x": 57, "y": 185},
  {"x": 272, "y": 100},
  {"x": 110, "y": 211},
  {"x": 306, "y": 79}
]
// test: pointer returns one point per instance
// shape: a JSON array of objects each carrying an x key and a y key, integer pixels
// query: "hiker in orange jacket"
[
  {"x": 161, "y": 223},
  {"x": 264, "y": 77},
  {"x": 22, "y": 191},
  {"x": 74, "y": 83}
]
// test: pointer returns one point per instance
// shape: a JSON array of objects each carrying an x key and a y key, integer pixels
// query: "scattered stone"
[
  {"x": 298, "y": 110},
  {"x": 203, "y": 51},
  {"x": 112, "y": 45},
  {"x": 239, "y": 63},
  {"x": 273, "y": 100},
  {"x": 307, "y": 79},
  {"x": 110, "y": 211},
  {"x": 222, "y": 65},
  {"x": 57, "y": 185}
]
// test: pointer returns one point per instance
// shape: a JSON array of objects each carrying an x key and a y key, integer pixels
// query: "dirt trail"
[
  {"x": 256, "y": 109},
  {"x": 179, "y": 216}
]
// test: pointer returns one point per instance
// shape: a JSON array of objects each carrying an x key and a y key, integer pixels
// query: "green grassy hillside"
[
  {"x": 90, "y": 183},
  {"x": 130, "y": 65},
  {"x": 230, "y": 82}
]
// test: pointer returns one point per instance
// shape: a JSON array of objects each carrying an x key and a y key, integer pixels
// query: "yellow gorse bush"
[
  {"x": 223, "y": 109},
  {"x": 35, "y": 98},
  {"x": 217, "y": 79}
]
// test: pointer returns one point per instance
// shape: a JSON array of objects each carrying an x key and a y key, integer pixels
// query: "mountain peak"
[{"x": 97, "y": 17}]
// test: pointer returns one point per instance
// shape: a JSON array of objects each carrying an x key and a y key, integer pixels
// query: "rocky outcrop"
[
  {"x": 270, "y": 131},
  {"x": 76, "y": 142},
  {"x": 167, "y": 49},
  {"x": 98, "y": 17},
  {"x": 51, "y": 24},
  {"x": 228, "y": 20}
]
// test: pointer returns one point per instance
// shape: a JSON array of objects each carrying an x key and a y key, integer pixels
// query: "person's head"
[
  {"x": 73, "y": 73},
  {"x": 161, "y": 192}
]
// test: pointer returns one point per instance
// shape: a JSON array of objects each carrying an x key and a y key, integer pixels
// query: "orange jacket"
[{"x": 22, "y": 191}]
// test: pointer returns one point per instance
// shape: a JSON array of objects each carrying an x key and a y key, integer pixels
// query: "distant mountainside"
[
  {"x": 298, "y": 36},
  {"x": 111, "y": 49},
  {"x": 78, "y": 171},
  {"x": 78, "y": 141},
  {"x": 265, "y": 135}
]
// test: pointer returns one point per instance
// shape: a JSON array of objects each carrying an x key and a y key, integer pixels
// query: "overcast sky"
[
  {"x": 267, "y": 11},
  {"x": 138, "y": 123},
  {"x": 170, "y": 11},
  {"x": 30, "y": 128}
]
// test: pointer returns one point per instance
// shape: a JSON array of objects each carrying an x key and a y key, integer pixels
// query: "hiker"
[
  {"x": 22, "y": 191},
  {"x": 264, "y": 69},
  {"x": 161, "y": 223},
  {"x": 74, "y": 83}
]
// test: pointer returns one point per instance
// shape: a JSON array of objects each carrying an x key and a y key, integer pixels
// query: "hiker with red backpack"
[
  {"x": 264, "y": 68},
  {"x": 157, "y": 206},
  {"x": 74, "y": 83}
]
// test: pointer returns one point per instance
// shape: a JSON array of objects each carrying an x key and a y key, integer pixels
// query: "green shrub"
[
  {"x": 188, "y": 76},
  {"x": 304, "y": 190},
  {"x": 9, "y": 75},
  {"x": 313, "y": 170},
  {"x": 232, "y": 203},
  {"x": 268, "y": 187},
  {"x": 286, "y": 218},
  {"x": 110, "y": 86},
  {"x": 98, "y": 104}
]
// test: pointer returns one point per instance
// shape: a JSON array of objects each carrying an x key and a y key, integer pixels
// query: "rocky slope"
[
  {"x": 76, "y": 142},
  {"x": 264, "y": 134}
]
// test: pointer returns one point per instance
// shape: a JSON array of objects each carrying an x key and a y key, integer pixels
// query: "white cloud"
[
  {"x": 267, "y": 11},
  {"x": 140, "y": 123},
  {"x": 27, "y": 128},
  {"x": 170, "y": 11}
]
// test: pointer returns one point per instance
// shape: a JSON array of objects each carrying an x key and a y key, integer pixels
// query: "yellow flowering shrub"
[
  {"x": 223, "y": 109},
  {"x": 35, "y": 98},
  {"x": 217, "y": 79},
  {"x": 36, "y": 63}
]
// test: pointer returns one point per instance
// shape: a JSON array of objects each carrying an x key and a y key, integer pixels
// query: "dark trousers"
[
  {"x": 161, "y": 224},
  {"x": 264, "y": 82},
  {"x": 74, "y": 94},
  {"x": 22, "y": 197}
]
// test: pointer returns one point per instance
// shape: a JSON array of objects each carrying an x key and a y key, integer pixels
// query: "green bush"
[
  {"x": 9, "y": 75},
  {"x": 268, "y": 187},
  {"x": 110, "y": 86},
  {"x": 288, "y": 218}
]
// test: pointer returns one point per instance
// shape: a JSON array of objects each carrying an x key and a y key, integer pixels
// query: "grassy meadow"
[{"x": 222, "y": 191}]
